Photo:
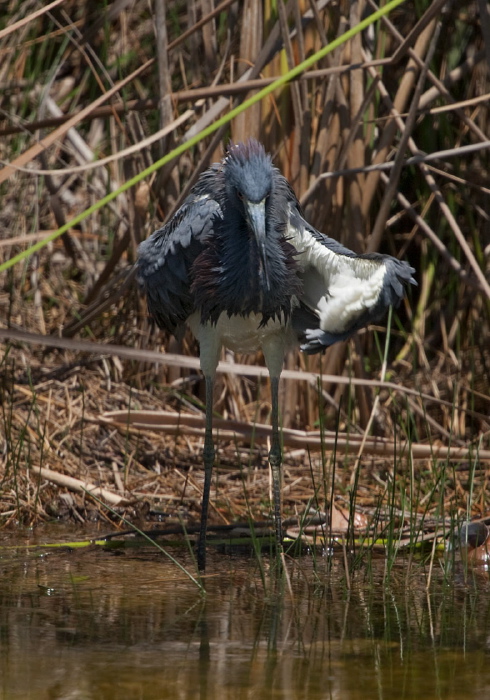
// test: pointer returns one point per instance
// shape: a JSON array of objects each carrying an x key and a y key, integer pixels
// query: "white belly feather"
[
  {"x": 243, "y": 334},
  {"x": 238, "y": 333}
]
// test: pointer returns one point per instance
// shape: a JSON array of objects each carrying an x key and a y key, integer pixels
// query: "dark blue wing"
[
  {"x": 166, "y": 257},
  {"x": 342, "y": 291}
]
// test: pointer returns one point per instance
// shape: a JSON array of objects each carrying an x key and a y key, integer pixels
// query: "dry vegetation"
[{"x": 363, "y": 104}]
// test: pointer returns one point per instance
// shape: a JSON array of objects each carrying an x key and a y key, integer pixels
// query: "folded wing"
[
  {"x": 166, "y": 257},
  {"x": 342, "y": 291}
]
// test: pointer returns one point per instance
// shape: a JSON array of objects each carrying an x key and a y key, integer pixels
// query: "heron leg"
[
  {"x": 274, "y": 348},
  {"x": 210, "y": 346},
  {"x": 208, "y": 459},
  {"x": 275, "y": 459}
]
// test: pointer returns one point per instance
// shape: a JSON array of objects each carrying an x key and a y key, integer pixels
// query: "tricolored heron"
[{"x": 240, "y": 265}]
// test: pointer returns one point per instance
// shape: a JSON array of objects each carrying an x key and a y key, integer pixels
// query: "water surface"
[{"x": 89, "y": 623}]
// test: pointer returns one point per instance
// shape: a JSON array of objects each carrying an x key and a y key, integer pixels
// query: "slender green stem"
[{"x": 194, "y": 140}]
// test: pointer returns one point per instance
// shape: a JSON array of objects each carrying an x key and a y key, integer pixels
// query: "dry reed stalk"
[{"x": 347, "y": 112}]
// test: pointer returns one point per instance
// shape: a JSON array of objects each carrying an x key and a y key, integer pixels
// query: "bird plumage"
[
  {"x": 205, "y": 259},
  {"x": 341, "y": 291},
  {"x": 239, "y": 263}
]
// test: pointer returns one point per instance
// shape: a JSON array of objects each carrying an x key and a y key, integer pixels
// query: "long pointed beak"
[{"x": 256, "y": 218}]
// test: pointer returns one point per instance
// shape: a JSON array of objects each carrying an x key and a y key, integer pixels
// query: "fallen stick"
[
  {"x": 187, "y": 424},
  {"x": 79, "y": 486}
]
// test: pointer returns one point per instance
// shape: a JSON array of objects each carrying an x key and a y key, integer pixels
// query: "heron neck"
[{"x": 229, "y": 276}]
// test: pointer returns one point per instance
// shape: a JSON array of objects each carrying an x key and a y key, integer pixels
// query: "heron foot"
[{"x": 275, "y": 460}]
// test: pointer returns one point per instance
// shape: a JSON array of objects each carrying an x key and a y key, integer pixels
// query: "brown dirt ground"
[{"x": 54, "y": 420}]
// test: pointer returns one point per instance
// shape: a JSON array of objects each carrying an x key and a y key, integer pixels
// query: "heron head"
[{"x": 249, "y": 174}]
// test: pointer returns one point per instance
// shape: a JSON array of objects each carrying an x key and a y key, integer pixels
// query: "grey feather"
[
  {"x": 165, "y": 259},
  {"x": 205, "y": 259}
]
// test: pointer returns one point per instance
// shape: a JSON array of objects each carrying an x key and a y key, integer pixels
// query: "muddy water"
[{"x": 93, "y": 624}]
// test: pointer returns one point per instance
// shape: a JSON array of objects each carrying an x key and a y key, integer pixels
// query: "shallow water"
[{"x": 94, "y": 624}]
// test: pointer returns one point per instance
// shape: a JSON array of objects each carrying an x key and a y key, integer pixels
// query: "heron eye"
[{"x": 240, "y": 195}]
